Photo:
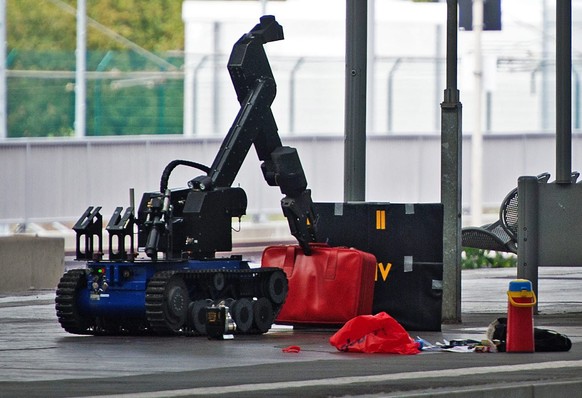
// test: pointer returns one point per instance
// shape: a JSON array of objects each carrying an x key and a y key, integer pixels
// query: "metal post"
[
  {"x": 563, "y": 91},
  {"x": 194, "y": 95},
  {"x": 527, "y": 235},
  {"x": 576, "y": 98},
  {"x": 98, "y": 111},
  {"x": 161, "y": 114},
  {"x": 189, "y": 108},
  {"x": 389, "y": 95},
  {"x": 545, "y": 73},
  {"x": 371, "y": 68},
  {"x": 438, "y": 71},
  {"x": 292, "y": 89},
  {"x": 451, "y": 156},
  {"x": 80, "y": 75},
  {"x": 477, "y": 135},
  {"x": 488, "y": 105},
  {"x": 355, "y": 101},
  {"x": 3, "y": 91},
  {"x": 216, "y": 68}
]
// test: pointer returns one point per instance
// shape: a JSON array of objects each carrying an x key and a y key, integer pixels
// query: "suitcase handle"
[
  {"x": 291, "y": 255},
  {"x": 289, "y": 263}
]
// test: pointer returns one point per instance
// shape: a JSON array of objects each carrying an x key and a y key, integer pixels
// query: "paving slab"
[{"x": 39, "y": 359}]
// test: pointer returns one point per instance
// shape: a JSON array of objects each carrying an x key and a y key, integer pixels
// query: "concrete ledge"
[{"x": 30, "y": 262}]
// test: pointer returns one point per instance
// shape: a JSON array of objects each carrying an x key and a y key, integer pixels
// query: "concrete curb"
[{"x": 571, "y": 389}]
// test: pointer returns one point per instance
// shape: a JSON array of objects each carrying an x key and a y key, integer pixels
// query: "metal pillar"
[
  {"x": 80, "y": 75},
  {"x": 547, "y": 212},
  {"x": 371, "y": 67},
  {"x": 563, "y": 91},
  {"x": 189, "y": 95},
  {"x": 292, "y": 90},
  {"x": 545, "y": 70},
  {"x": 477, "y": 135},
  {"x": 451, "y": 157},
  {"x": 355, "y": 105},
  {"x": 390, "y": 95},
  {"x": 216, "y": 69},
  {"x": 527, "y": 236},
  {"x": 438, "y": 73},
  {"x": 3, "y": 90}
]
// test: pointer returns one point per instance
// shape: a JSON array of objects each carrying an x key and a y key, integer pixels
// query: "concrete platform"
[{"x": 39, "y": 359}]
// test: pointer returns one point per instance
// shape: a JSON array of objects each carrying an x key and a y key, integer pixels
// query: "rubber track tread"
[
  {"x": 66, "y": 302},
  {"x": 154, "y": 301}
]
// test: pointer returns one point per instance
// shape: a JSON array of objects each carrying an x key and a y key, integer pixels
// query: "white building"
[{"x": 408, "y": 44}]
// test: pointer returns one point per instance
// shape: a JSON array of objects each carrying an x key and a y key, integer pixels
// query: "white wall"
[{"x": 56, "y": 180}]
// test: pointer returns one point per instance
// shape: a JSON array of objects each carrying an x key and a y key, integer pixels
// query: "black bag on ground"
[{"x": 545, "y": 340}]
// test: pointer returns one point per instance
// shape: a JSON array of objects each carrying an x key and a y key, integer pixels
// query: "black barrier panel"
[{"x": 407, "y": 240}]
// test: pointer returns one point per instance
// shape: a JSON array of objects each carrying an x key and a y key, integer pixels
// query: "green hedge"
[{"x": 478, "y": 258}]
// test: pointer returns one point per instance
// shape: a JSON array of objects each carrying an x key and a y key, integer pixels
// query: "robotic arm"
[
  {"x": 197, "y": 221},
  {"x": 255, "y": 125}
]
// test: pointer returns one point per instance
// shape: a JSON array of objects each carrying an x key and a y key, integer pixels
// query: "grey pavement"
[{"x": 39, "y": 359}]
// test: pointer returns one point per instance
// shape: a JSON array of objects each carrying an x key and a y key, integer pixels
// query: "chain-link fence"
[
  {"x": 126, "y": 94},
  {"x": 130, "y": 95}
]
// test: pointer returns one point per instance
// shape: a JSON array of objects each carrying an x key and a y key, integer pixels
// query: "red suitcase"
[{"x": 329, "y": 287}]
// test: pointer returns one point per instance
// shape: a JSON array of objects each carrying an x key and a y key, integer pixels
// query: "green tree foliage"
[
  {"x": 155, "y": 25},
  {"x": 42, "y": 37},
  {"x": 47, "y": 25},
  {"x": 38, "y": 25}
]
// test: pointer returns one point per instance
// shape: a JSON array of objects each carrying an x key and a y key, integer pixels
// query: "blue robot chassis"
[{"x": 168, "y": 298}]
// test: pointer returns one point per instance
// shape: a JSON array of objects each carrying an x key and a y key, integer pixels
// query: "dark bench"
[{"x": 501, "y": 235}]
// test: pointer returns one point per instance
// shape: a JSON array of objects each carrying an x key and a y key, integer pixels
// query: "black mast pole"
[{"x": 563, "y": 91}]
